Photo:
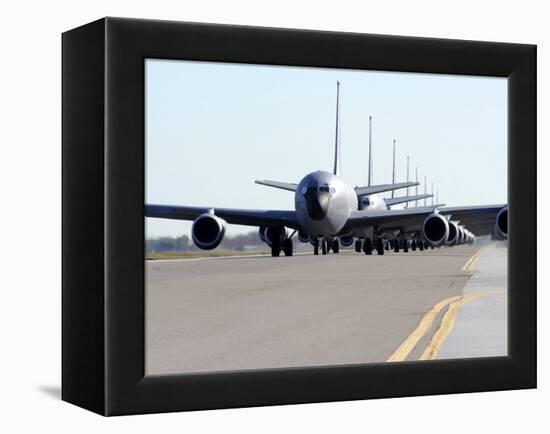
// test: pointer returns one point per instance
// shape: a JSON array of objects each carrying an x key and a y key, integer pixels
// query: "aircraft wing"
[
  {"x": 365, "y": 191},
  {"x": 480, "y": 220},
  {"x": 282, "y": 185},
  {"x": 247, "y": 217},
  {"x": 403, "y": 199},
  {"x": 389, "y": 219}
]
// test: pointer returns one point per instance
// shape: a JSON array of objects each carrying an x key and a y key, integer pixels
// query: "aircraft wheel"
[
  {"x": 413, "y": 245},
  {"x": 324, "y": 247},
  {"x": 316, "y": 247},
  {"x": 358, "y": 246},
  {"x": 396, "y": 246},
  {"x": 367, "y": 246},
  {"x": 275, "y": 249},
  {"x": 336, "y": 246},
  {"x": 288, "y": 247},
  {"x": 421, "y": 245},
  {"x": 380, "y": 246},
  {"x": 406, "y": 246}
]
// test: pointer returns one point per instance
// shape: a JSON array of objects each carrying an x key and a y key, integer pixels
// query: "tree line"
[{"x": 184, "y": 243}]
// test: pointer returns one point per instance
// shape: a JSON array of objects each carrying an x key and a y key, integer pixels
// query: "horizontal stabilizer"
[
  {"x": 282, "y": 185},
  {"x": 365, "y": 191},
  {"x": 404, "y": 199}
]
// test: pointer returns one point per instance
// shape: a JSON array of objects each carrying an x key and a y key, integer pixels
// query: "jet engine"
[
  {"x": 461, "y": 235},
  {"x": 272, "y": 233},
  {"x": 347, "y": 240},
  {"x": 261, "y": 231},
  {"x": 303, "y": 237},
  {"x": 453, "y": 233},
  {"x": 208, "y": 231},
  {"x": 435, "y": 229},
  {"x": 501, "y": 224}
]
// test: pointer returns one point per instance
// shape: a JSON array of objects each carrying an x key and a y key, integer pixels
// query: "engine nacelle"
[
  {"x": 461, "y": 235},
  {"x": 208, "y": 231},
  {"x": 303, "y": 237},
  {"x": 453, "y": 233},
  {"x": 435, "y": 229},
  {"x": 347, "y": 240},
  {"x": 261, "y": 230},
  {"x": 501, "y": 224},
  {"x": 272, "y": 233}
]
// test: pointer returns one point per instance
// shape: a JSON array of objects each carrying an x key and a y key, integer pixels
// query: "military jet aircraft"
[{"x": 327, "y": 211}]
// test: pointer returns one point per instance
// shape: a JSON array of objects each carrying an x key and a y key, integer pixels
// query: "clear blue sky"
[{"x": 213, "y": 128}]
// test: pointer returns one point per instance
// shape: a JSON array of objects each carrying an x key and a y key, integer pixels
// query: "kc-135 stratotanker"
[{"x": 329, "y": 212}]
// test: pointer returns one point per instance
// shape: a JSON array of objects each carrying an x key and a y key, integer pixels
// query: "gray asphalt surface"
[
  {"x": 481, "y": 328},
  {"x": 220, "y": 314}
]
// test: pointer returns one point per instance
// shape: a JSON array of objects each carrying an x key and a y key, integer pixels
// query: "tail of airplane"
[
  {"x": 336, "y": 170},
  {"x": 370, "y": 152},
  {"x": 393, "y": 170},
  {"x": 361, "y": 191}
]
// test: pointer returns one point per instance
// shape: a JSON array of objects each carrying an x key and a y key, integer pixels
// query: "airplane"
[
  {"x": 376, "y": 201},
  {"x": 327, "y": 212}
]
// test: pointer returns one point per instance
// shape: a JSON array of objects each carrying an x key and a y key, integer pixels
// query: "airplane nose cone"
[{"x": 317, "y": 205}]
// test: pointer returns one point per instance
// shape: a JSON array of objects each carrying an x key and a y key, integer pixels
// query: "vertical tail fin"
[
  {"x": 337, "y": 168},
  {"x": 370, "y": 152},
  {"x": 425, "y": 189},
  {"x": 407, "y": 204},
  {"x": 393, "y": 171},
  {"x": 416, "y": 188}
]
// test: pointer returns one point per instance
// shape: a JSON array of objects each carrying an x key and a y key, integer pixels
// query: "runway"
[{"x": 219, "y": 314}]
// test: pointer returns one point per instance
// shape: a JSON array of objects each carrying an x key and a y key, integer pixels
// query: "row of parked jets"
[{"x": 329, "y": 213}]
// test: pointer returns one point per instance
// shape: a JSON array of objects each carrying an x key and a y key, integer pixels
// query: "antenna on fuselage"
[
  {"x": 416, "y": 188},
  {"x": 370, "y": 152},
  {"x": 337, "y": 168},
  {"x": 425, "y": 190},
  {"x": 407, "y": 203},
  {"x": 393, "y": 171}
]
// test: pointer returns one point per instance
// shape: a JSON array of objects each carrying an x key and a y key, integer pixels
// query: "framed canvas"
[{"x": 354, "y": 290}]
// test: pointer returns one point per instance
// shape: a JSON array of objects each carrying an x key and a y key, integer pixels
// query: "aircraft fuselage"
[{"x": 324, "y": 203}]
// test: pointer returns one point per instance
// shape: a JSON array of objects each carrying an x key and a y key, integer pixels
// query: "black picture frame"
[{"x": 103, "y": 223}]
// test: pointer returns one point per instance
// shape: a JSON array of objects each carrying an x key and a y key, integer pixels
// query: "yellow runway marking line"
[
  {"x": 447, "y": 323},
  {"x": 423, "y": 326},
  {"x": 470, "y": 265}
]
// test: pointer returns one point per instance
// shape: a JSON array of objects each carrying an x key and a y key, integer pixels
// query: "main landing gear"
[
  {"x": 287, "y": 247},
  {"x": 380, "y": 246},
  {"x": 336, "y": 246},
  {"x": 370, "y": 245},
  {"x": 367, "y": 246},
  {"x": 325, "y": 245}
]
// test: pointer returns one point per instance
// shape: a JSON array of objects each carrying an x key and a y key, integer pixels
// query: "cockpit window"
[
  {"x": 319, "y": 189},
  {"x": 327, "y": 189}
]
